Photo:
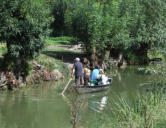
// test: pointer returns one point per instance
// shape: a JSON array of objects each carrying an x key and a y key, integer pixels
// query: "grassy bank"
[
  {"x": 156, "y": 54},
  {"x": 50, "y": 61},
  {"x": 51, "y": 64},
  {"x": 64, "y": 40},
  {"x": 3, "y": 49}
]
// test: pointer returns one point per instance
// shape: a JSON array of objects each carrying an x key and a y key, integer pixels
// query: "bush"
[{"x": 24, "y": 25}]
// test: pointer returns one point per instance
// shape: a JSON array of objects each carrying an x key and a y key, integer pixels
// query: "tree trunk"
[
  {"x": 105, "y": 58},
  {"x": 17, "y": 69},
  {"x": 106, "y": 54},
  {"x": 93, "y": 58}
]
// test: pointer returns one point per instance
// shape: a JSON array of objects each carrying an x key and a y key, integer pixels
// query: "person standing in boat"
[
  {"x": 87, "y": 73},
  {"x": 77, "y": 70}
]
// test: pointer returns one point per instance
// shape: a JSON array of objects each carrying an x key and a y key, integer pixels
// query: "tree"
[
  {"x": 130, "y": 27},
  {"x": 58, "y": 9},
  {"x": 23, "y": 25}
]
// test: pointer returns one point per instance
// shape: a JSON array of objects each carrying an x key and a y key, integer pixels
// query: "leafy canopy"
[
  {"x": 131, "y": 26},
  {"x": 23, "y": 25}
]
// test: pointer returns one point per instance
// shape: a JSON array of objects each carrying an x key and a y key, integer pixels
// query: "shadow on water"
[
  {"x": 65, "y": 56},
  {"x": 81, "y": 105}
]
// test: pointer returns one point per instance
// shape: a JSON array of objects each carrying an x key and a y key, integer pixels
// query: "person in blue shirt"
[
  {"x": 95, "y": 73},
  {"x": 77, "y": 70}
]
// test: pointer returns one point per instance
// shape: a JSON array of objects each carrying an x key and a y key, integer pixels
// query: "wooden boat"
[{"x": 95, "y": 88}]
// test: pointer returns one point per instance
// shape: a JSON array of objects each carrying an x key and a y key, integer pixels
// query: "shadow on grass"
[{"x": 64, "y": 55}]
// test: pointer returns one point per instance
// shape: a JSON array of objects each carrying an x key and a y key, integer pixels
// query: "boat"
[{"x": 93, "y": 88}]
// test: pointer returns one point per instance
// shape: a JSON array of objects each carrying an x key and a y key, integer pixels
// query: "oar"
[{"x": 66, "y": 86}]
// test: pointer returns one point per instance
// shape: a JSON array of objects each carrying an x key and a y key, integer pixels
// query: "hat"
[
  {"x": 101, "y": 71},
  {"x": 97, "y": 66},
  {"x": 77, "y": 59}
]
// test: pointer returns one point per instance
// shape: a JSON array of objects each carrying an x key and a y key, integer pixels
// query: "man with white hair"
[{"x": 77, "y": 70}]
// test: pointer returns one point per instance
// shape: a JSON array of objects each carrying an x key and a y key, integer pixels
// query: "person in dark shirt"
[{"x": 77, "y": 70}]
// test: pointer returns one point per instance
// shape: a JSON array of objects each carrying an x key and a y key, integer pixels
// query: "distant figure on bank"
[
  {"x": 120, "y": 60},
  {"x": 87, "y": 73},
  {"x": 95, "y": 73},
  {"x": 77, "y": 70}
]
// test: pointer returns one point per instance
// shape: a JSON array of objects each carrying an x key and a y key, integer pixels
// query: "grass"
[
  {"x": 51, "y": 58},
  {"x": 156, "y": 54},
  {"x": 64, "y": 40},
  {"x": 52, "y": 63},
  {"x": 146, "y": 111},
  {"x": 3, "y": 49}
]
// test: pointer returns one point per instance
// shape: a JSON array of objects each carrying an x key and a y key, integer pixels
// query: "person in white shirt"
[{"x": 103, "y": 77}]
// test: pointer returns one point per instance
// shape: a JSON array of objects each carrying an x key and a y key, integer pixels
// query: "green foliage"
[
  {"x": 157, "y": 53},
  {"x": 158, "y": 69},
  {"x": 144, "y": 111},
  {"x": 130, "y": 26},
  {"x": 24, "y": 25},
  {"x": 3, "y": 48},
  {"x": 157, "y": 74},
  {"x": 58, "y": 9}
]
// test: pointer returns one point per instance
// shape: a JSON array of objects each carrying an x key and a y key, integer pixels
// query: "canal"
[{"x": 43, "y": 106}]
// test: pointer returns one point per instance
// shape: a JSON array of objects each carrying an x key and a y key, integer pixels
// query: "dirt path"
[
  {"x": 75, "y": 48},
  {"x": 65, "y": 56}
]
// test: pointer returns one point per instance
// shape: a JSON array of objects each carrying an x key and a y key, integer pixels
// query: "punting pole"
[{"x": 66, "y": 86}]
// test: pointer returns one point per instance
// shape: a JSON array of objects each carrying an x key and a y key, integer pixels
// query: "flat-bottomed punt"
[{"x": 91, "y": 89}]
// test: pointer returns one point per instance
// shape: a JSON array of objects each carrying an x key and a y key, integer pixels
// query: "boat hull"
[{"x": 91, "y": 89}]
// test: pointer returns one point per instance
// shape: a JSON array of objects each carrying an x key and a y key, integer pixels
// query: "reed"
[{"x": 146, "y": 111}]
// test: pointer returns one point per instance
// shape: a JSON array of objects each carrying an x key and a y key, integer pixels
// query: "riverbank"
[
  {"x": 53, "y": 64},
  {"x": 43, "y": 68},
  {"x": 120, "y": 107}
]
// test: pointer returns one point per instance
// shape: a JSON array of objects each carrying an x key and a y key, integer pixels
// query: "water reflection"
[
  {"x": 44, "y": 107},
  {"x": 81, "y": 106},
  {"x": 34, "y": 108},
  {"x": 98, "y": 106},
  {"x": 77, "y": 105}
]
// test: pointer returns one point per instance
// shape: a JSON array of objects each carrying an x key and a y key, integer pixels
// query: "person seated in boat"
[
  {"x": 87, "y": 73},
  {"x": 77, "y": 70},
  {"x": 102, "y": 78},
  {"x": 95, "y": 73}
]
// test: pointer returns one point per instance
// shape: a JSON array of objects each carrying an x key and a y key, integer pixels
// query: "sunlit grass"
[{"x": 64, "y": 40}]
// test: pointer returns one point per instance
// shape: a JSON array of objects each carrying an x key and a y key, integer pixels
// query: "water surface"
[{"x": 44, "y": 107}]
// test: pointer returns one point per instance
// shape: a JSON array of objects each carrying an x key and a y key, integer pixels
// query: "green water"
[{"x": 44, "y": 107}]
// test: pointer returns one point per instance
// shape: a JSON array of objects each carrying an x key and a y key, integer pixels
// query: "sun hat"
[
  {"x": 101, "y": 71},
  {"x": 77, "y": 59}
]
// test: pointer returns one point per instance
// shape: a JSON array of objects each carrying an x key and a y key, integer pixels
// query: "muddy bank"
[{"x": 43, "y": 69}]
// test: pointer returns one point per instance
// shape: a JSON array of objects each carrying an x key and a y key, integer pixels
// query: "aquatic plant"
[{"x": 146, "y": 111}]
